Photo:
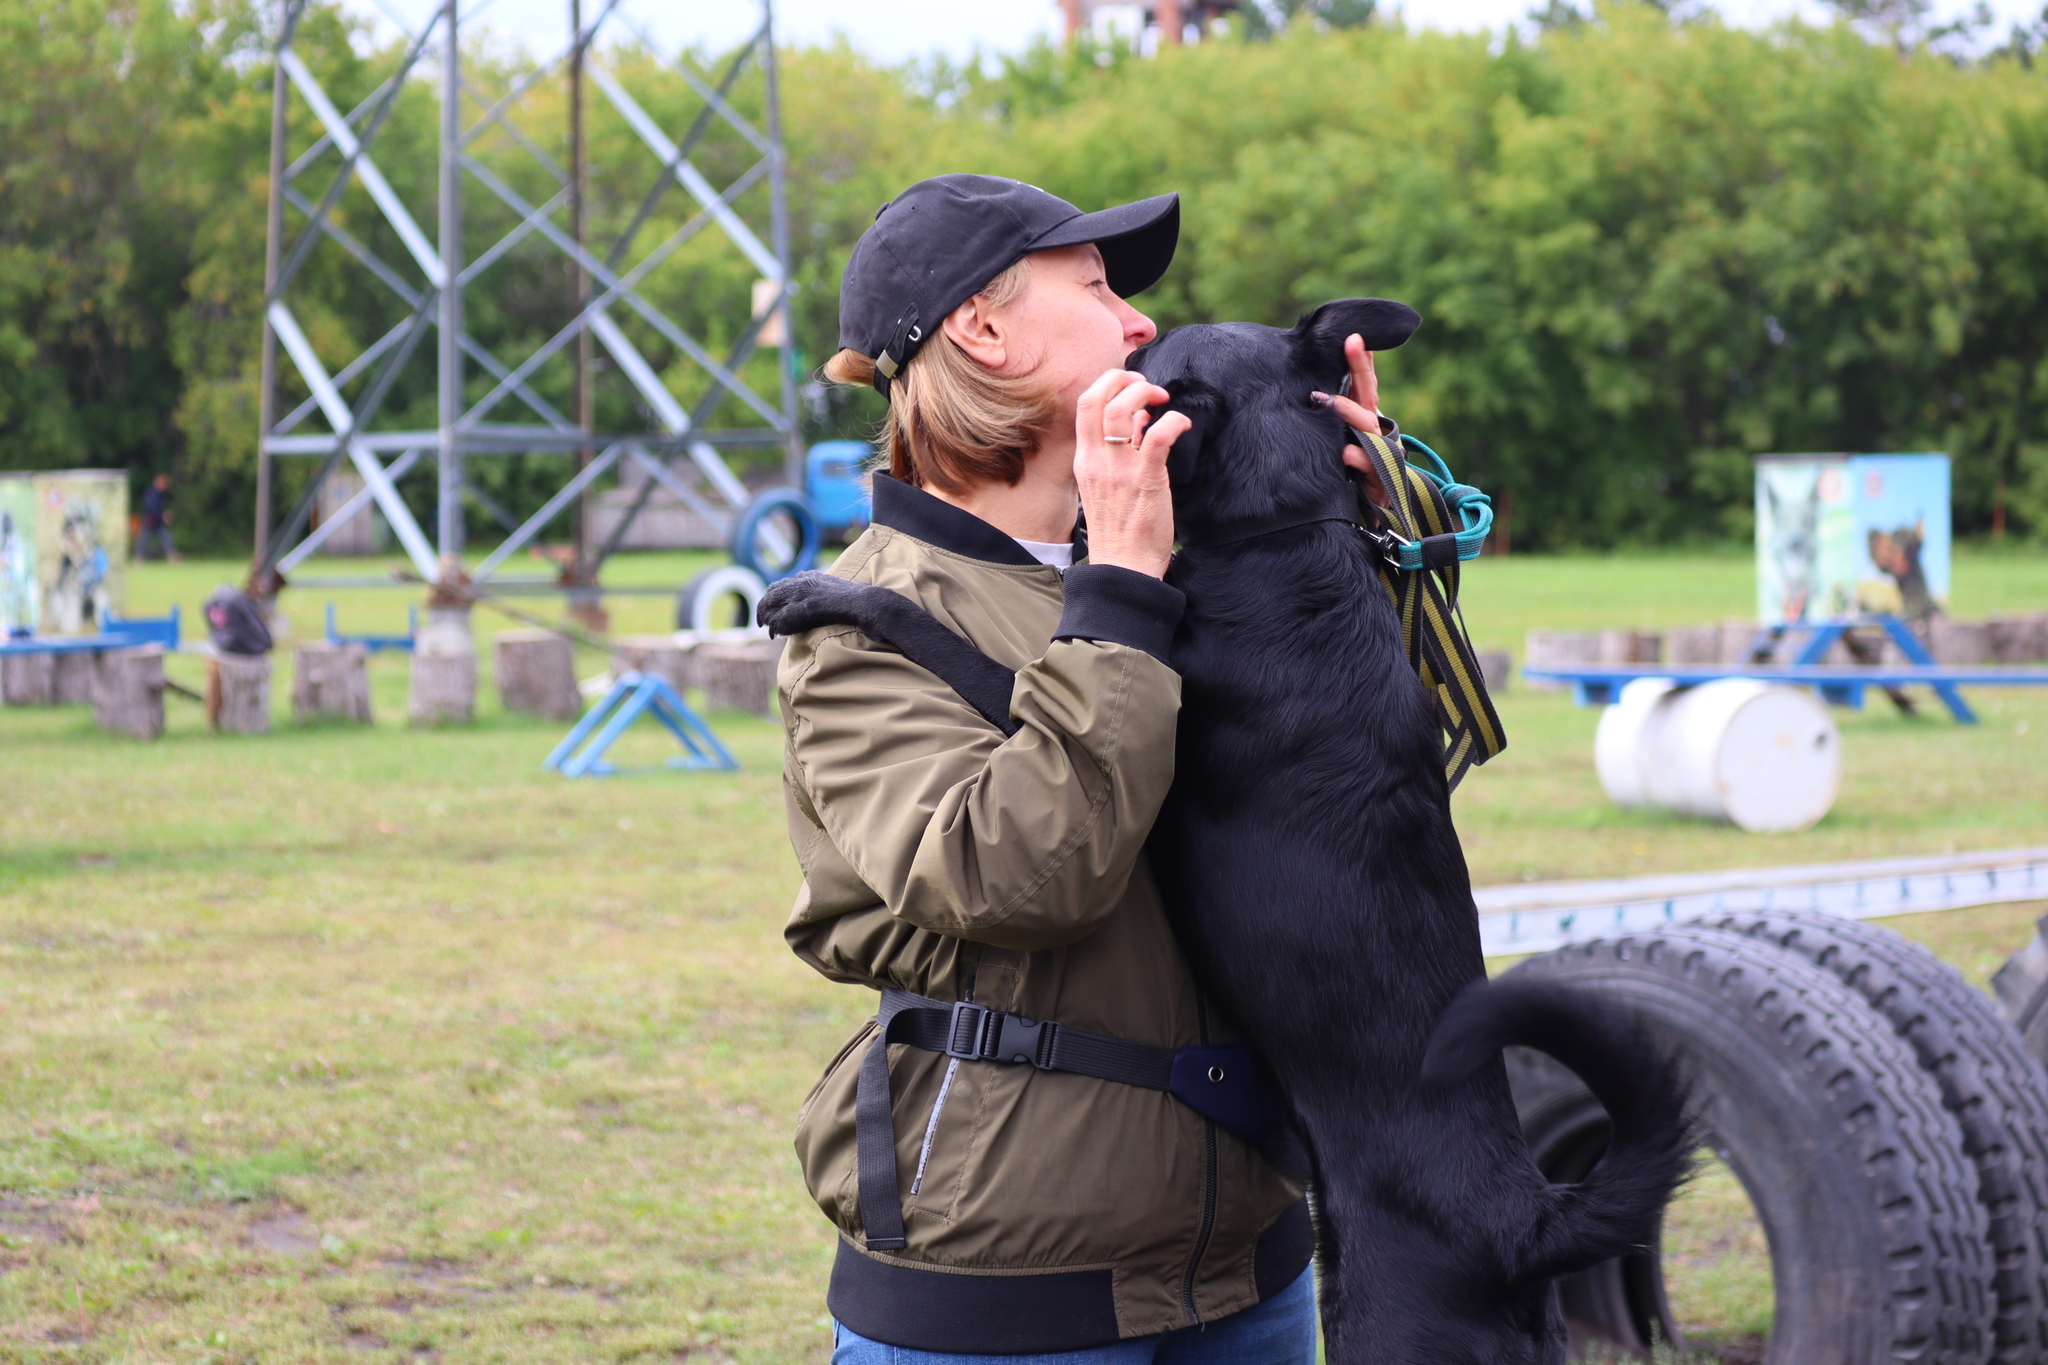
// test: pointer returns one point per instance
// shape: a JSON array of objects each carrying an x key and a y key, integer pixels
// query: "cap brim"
[{"x": 1136, "y": 240}]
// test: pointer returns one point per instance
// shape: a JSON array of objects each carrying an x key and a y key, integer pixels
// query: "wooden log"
[
  {"x": 739, "y": 677},
  {"x": 662, "y": 654},
  {"x": 1559, "y": 649},
  {"x": 443, "y": 669},
  {"x": 71, "y": 679},
  {"x": 128, "y": 690},
  {"x": 330, "y": 679},
  {"x": 238, "y": 693},
  {"x": 1958, "y": 642},
  {"x": 28, "y": 679},
  {"x": 536, "y": 673}
]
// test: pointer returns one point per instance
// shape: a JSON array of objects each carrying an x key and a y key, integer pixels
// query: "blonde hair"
[{"x": 953, "y": 423}]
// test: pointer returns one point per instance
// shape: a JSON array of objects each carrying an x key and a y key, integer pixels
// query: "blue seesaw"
[
  {"x": 1840, "y": 684},
  {"x": 630, "y": 697}
]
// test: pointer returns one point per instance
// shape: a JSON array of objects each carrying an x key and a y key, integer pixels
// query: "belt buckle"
[
  {"x": 1019, "y": 1040},
  {"x": 968, "y": 1033}
]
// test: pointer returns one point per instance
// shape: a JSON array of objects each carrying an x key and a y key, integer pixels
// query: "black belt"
[{"x": 1220, "y": 1082}]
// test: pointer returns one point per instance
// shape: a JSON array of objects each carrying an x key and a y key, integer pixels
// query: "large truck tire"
[
  {"x": 1989, "y": 1081},
  {"x": 1837, "y": 1134}
]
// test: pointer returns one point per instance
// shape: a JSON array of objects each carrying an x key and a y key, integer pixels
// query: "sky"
[{"x": 893, "y": 30}]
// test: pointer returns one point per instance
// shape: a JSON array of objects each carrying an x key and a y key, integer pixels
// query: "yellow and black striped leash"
[{"x": 1422, "y": 545}]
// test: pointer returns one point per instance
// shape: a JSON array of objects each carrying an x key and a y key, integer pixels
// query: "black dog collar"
[{"x": 1339, "y": 505}]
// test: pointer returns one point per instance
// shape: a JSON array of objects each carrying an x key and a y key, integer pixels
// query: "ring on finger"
[{"x": 1116, "y": 440}]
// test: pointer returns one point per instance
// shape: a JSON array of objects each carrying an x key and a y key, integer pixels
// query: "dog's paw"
[{"x": 806, "y": 601}]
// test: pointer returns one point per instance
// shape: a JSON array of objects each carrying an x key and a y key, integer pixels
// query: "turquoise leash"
[{"x": 1467, "y": 503}]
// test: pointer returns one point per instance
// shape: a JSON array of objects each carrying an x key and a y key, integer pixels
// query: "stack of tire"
[{"x": 1888, "y": 1124}]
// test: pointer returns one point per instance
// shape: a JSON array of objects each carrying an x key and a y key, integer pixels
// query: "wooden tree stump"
[
  {"x": 1737, "y": 634},
  {"x": 28, "y": 679},
  {"x": 1958, "y": 642},
  {"x": 1692, "y": 645},
  {"x": 1555, "y": 648},
  {"x": 1497, "y": 669},
  {"x": 330, "y": 679},
  {"x": 739, "y": 677},
  {"x": 536, "y": 673},
  {"x": 128, "y": 690},
  {"x": 1630, "y": 646},
  {"x": 2018, "y": 639},
  {"x": 443, "y": 669},
  {"x": 238, "y": 694},
  {"x": 662, "y": 654},
  {"x": 71, "y": 679}
]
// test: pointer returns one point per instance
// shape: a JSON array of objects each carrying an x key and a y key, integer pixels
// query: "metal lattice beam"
[{"x": 429, "y": 277}]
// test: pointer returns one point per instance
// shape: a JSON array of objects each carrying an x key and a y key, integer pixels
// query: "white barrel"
[{"x": 1763, "y": 756}]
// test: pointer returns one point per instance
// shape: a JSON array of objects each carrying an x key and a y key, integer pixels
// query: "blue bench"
[{"x": 115, "y": 633}]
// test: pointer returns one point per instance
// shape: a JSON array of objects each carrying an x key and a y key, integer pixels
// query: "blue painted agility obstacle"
[
  {"x": 1841, "y": 684},
  {"x": 115, "y": 633},
  {"x": 377, "y": 643},
  {"x": 631, "y": 696}
]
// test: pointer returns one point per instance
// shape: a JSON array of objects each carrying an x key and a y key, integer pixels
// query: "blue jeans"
[{"x": 1280, "y": 1331}]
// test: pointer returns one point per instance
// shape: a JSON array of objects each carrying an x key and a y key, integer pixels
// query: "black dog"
[{"x": 1307, "y": 853}]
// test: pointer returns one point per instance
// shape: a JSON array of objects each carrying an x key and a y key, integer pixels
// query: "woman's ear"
[
  {"x": 976, "y": 329},
  {"x": 1319, "y": 337}
]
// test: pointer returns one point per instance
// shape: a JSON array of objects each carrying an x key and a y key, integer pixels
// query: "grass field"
[{"x": 356, "y": 1045}]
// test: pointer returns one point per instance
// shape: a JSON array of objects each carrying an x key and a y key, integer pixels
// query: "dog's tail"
[{"x": 1616, "y": 1207}]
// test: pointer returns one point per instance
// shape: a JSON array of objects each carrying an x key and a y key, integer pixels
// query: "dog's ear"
[
  {"x": 1319, "y": 337},
  {"x": 1203, "y": 408}
]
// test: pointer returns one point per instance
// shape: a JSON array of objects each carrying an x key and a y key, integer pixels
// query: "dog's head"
[{"x": 1259, "y": 448}]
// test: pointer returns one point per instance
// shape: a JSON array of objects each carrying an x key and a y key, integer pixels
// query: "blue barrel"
[{"x": 836, "y": 482}]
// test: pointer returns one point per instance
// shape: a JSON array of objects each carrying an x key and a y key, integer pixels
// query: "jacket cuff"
[{"x": 1120, "y": 606}]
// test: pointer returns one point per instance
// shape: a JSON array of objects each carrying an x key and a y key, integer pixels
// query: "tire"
[
  {"x": 748, "y": 550},
  {"x": 1989, "y": 1081},
  {"x": 1824, "y": 1114},
  {"x": 697, "y": 603}
]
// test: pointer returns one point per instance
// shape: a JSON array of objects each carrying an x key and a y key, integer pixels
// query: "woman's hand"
[
  {"x": 1361, "y": 412},
  {"x": 1120, "y": 468}
]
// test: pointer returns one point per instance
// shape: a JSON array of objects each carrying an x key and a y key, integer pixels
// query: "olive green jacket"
[{"x": 1044, "y": 1210}]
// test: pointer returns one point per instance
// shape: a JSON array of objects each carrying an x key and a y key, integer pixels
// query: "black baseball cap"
[{"x": 937, "y": 244}]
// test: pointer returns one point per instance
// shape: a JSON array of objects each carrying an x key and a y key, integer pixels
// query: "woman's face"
[{"x": 1069, "y": 327}]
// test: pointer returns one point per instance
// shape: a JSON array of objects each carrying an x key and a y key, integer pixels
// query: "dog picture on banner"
[
  {"x": 1839, "y": 535},
  {"x": 81, "y": 548}
]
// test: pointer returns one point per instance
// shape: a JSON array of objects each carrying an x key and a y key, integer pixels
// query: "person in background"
[{"x": 156, "y": 519}]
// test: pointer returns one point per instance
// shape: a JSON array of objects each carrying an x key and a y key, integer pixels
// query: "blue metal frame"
[
  {"x": 115, "y": 633},
  {"x": 632, "y": 696},
  {"x": 1844, "y": 685},
  {"x": 375, "y": 643}
]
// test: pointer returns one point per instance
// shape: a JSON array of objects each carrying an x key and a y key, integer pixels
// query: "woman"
[{"x": 994, "y": 888}]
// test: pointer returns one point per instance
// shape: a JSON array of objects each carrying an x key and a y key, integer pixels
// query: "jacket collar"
[{"x": 918, "y": 514}]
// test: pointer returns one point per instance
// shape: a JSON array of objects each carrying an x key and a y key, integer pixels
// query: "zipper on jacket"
[{"x": 1187, "y": 1288}]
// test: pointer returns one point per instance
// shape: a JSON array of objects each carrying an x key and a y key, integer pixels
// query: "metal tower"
[{"x": 338, "y": 419}]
